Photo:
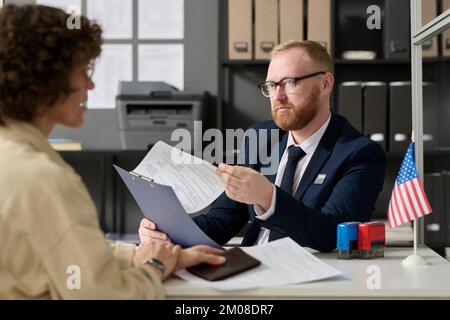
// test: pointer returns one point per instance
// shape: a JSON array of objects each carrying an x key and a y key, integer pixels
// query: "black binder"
[
  {"x": 396, "y": 30},
  {"x": 446, "y": 208},
  {"x": 435, "y": 223},
  {"x": 375, "y": 111},
  {"x": 400, "y": 119},
  {"x": 430, "y": 116},
  {"x": 350, "y": 103}
]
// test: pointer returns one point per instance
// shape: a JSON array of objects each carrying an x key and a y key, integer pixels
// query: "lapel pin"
[{"x": 320, "y": 178}]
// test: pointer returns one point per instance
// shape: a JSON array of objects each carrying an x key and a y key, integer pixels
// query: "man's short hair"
[
  {"x": 315, "y": 51},
  {"x": 38, "y": 53}
]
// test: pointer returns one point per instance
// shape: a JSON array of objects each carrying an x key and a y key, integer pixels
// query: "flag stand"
[{"x": 414, "y": 260}]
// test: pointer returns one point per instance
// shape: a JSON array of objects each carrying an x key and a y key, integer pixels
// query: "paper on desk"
[
  {"x": 282, "y": 262},
  {"x": 193, "y": 180}
]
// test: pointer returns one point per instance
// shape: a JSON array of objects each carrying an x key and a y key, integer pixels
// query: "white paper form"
[
  {"x": 161, "y": 19},
  {"x": 115, "y": 64},
  {"x": 115, "y": 17},
  {"x": 194, "y": 181},
  {"x": 62, "y": 4},
  {"x": 282, "y": 262},
  {"x": 162, "y": 62}
]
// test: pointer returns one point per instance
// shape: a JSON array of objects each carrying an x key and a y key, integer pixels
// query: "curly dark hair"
[{"x": 38, "y": 52}]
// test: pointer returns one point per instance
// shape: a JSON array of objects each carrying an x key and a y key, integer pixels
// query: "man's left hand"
[{"x": 246, "y": 185}]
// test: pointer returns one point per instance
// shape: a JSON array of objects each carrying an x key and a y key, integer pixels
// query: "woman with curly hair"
[{"x": 48, "y": 222}]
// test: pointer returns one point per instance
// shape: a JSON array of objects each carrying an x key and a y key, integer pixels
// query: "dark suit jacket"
[{"x": 354, "y": 167}]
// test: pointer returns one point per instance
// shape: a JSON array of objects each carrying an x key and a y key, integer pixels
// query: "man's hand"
[
  {"x": 149, "y": 233},
  {"x": 246, "y": 185},
  {"x": 199, "y": 254}
]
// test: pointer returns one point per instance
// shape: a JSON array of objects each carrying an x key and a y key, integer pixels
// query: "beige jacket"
[{"x": 50, "y": 240}]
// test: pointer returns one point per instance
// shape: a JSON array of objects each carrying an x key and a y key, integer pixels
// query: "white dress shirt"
[{"x": 309, "y": 146}]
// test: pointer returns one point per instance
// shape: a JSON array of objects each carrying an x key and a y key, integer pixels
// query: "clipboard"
[{"x": 160, "y": 204}]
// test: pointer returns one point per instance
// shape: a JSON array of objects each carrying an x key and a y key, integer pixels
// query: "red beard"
[{"x": 297, "y": 117}]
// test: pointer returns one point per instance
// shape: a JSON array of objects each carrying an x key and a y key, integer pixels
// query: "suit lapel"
[
  {"x": 318, "y": 159},
  {"x": 320, "y": 156}
]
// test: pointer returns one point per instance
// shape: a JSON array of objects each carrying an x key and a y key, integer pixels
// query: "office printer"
[{"x": 151, "y": 111}]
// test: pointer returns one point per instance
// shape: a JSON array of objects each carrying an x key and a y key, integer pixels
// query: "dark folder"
[
  {"x": 430, "y": 116},
  {"x": 375, "y": 111},
  {"x": 400, "y": 119},
  {"x": 237, "y": 261},
  {"x": 400, "y": 110},
  {"x": 435, "y": 223},
  {"x": 396, "y": 28},
  {"x": 350, "y": 103}
]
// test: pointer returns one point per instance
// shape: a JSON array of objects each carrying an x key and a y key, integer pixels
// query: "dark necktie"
[{"x": 294, "y": 155}]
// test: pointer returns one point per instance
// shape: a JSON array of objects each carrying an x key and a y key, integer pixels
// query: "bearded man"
[{"x": 327, "y": 171}]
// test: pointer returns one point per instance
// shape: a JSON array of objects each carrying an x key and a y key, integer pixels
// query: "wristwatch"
[{"x": 158, "y": 264}]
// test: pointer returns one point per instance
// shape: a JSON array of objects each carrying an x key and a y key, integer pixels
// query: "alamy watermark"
[
  {"x": 255, "y": 147},
  {"x": 374, "y": 19},
  {"x": 73, "y": 281},
  {"x": 74, "y": 20},
  {"x": 374, "y": 279}
]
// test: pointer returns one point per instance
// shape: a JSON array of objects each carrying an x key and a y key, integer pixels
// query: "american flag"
[{"x": 408, "y": 200}]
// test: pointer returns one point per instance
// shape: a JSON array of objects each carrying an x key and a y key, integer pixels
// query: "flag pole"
[{"x": 415, "y": 259}]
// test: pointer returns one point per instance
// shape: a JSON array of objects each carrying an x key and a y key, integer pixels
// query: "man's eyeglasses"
[{"x": 269, "y": 88}]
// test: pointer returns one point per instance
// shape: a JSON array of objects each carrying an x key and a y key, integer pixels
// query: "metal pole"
[{"x": 417, "y": 114}]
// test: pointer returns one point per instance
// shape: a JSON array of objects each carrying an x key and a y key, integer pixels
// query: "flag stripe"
[
  {"x": 422, "y": 197},
  {"x": 396, "y": 209},
  {"x": 417, "y": 193},
  {"x": 407, "y": 196},
  {"x": 412, "y": 196},
  {"x": 404, "y": 219},
  {"x": 405, "y": 202}
]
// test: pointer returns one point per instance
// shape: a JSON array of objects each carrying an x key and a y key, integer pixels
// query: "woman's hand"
[{"x": 167, "y": 253}]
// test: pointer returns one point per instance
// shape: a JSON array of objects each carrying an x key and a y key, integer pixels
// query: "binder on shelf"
[
  {"x": 266, "y": 27},
  {"x": 319, "y": 22},
  {"x": 399, "y": 116},
  {"x": 430, "y": 116},
  {"x": 435, "y": 224},
  {"x": 350, "y": 103},
  {"x": 375, "y": 111},
  {"x": 396, "y": 30},
  {"x": 446, "y": 34},
  {"x": 447, "y": 208},
  {"x": 429, "y": 11},
  {"x": 400, "y": 109},
  {"x": 240, "y": 43},
  {"x": 291, "y": 20}
]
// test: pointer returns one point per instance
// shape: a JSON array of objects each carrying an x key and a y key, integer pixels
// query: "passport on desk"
[{"x": 237, "y": 262}]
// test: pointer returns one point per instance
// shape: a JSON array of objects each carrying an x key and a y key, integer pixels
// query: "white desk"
[{"x": 429, "y": 282}]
